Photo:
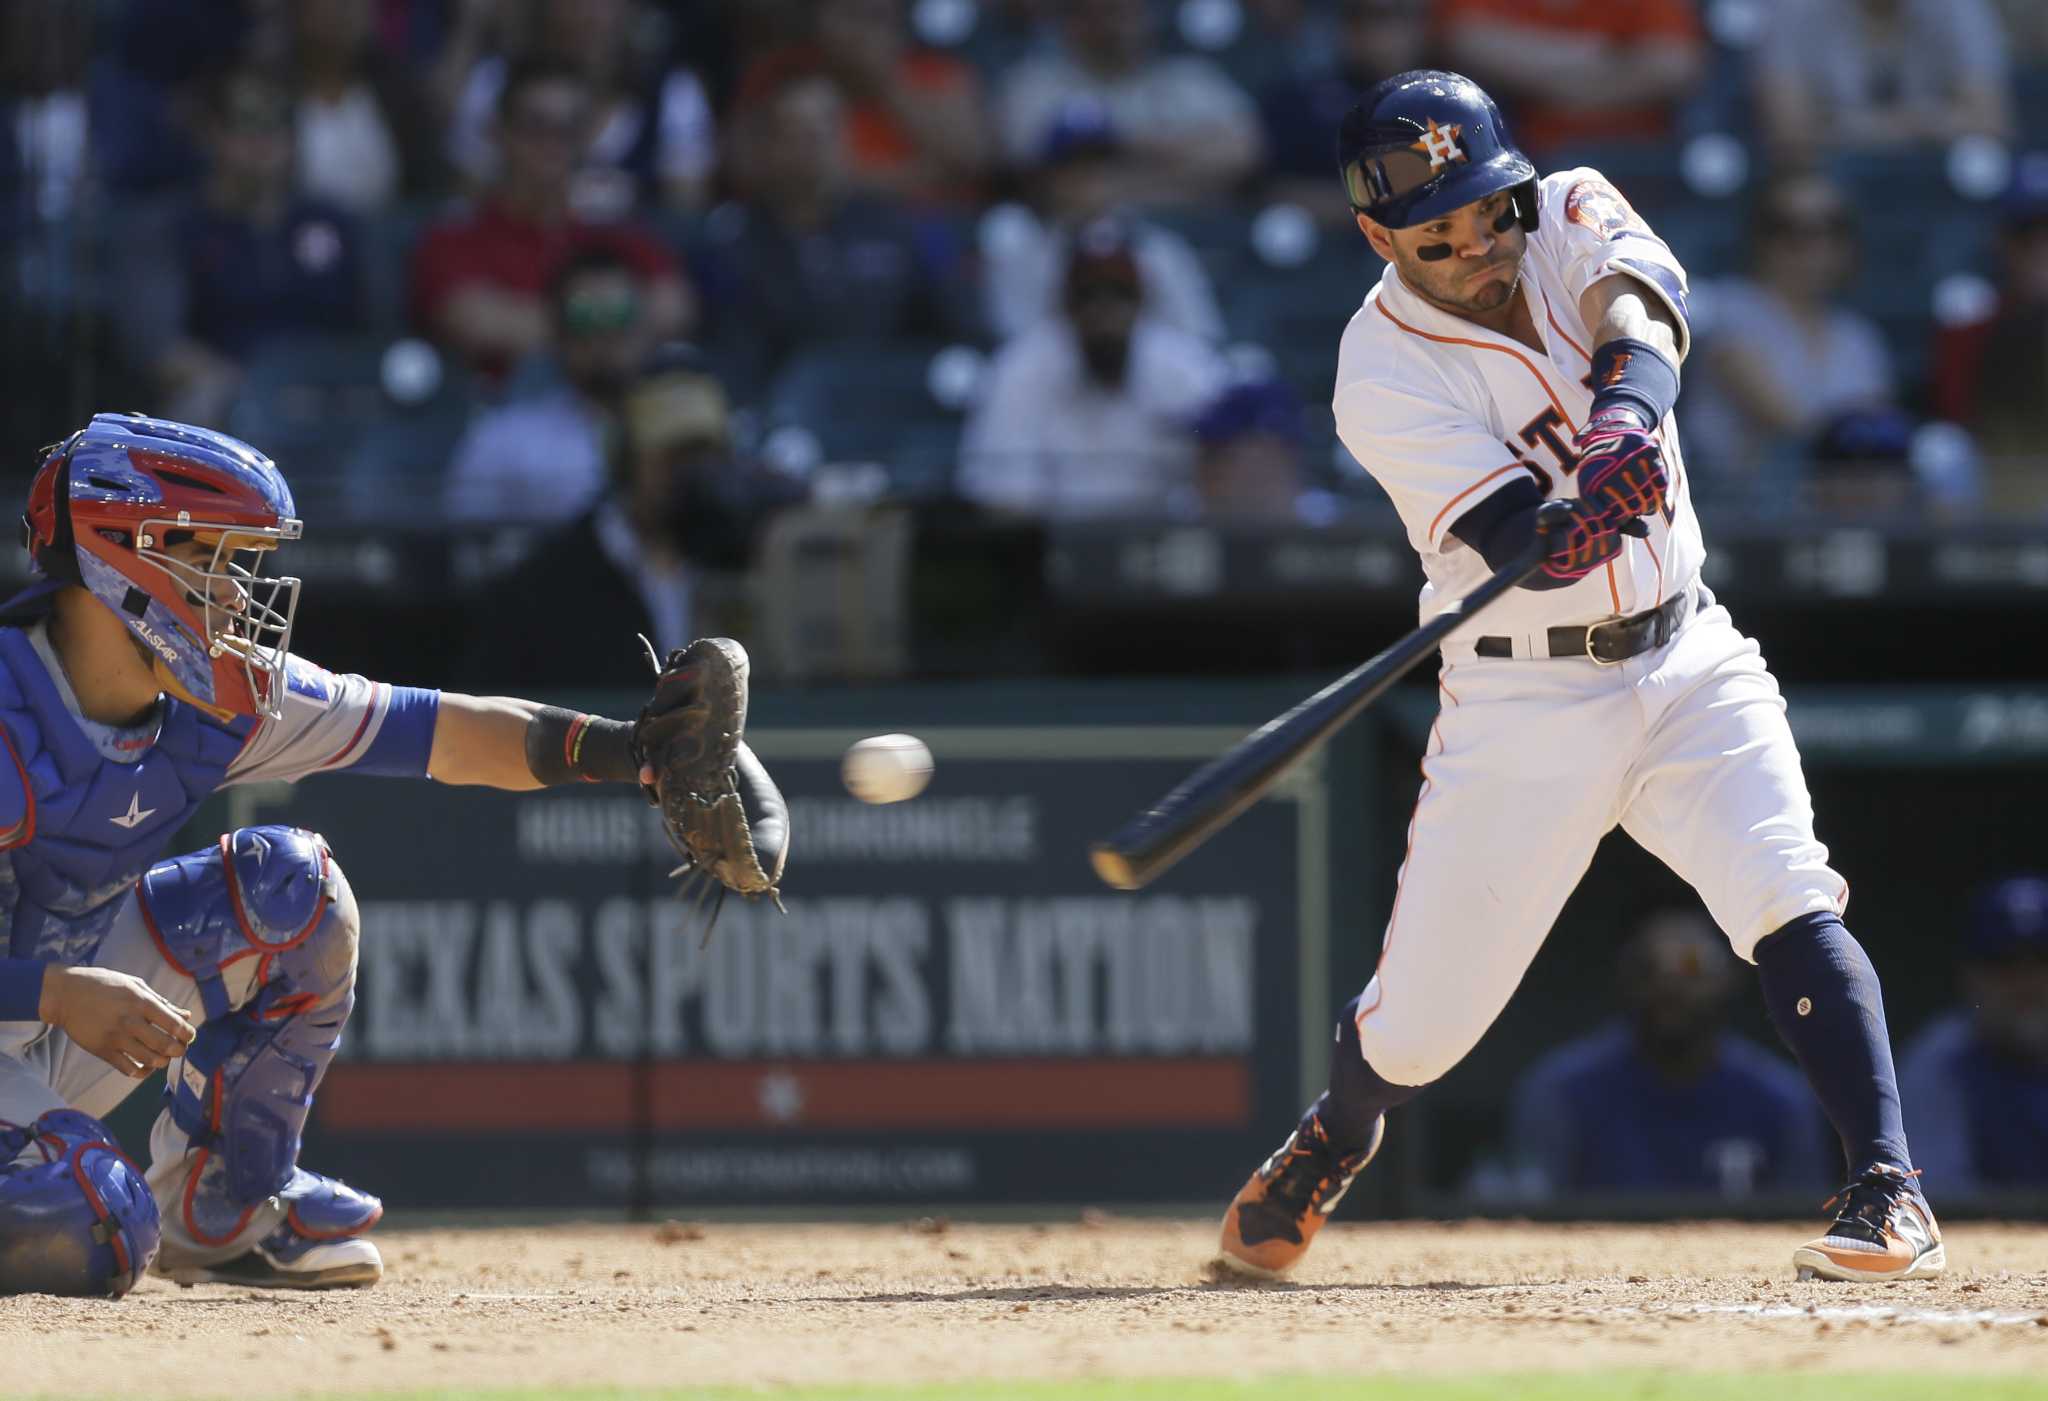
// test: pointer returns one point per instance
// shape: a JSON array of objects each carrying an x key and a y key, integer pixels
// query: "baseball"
[{"x": 887, "y": 768}]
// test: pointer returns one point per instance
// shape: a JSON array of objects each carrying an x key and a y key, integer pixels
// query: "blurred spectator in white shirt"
[
  {"x": 1090, "y": 413},
  {"x": 366, "y": 131},
  {"x": 1850, "y": 74},
  {"x": 1778, "y": 358},
  {"x": 1024, "y": 251},
  {"x": 1187, "y": 132}
]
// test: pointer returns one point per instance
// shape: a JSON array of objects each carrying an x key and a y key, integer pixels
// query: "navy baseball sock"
[
  {"x": 1357, "y": 1095},
  {"x": 1823, "y": 997}
]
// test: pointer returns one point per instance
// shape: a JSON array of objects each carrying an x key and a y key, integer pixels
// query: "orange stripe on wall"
[{"x": 476, "y": 1097}]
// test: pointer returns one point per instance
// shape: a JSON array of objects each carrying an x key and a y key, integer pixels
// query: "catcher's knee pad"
[
  {"x": 80, "y": 1220},
  {"x": 245, "y": 1085},
  {"x": 273, "y": 895}
]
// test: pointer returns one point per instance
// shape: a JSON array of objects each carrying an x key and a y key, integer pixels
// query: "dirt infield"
[{"x": 925, "y": 1301}]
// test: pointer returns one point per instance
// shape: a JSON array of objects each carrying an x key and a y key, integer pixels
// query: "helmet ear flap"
[
  {"x": 58, "y": 557},
  {"x": 1524, "y": 198}
]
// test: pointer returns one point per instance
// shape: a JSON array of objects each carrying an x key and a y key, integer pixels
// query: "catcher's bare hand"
[{"x": 115, "y": 1016}]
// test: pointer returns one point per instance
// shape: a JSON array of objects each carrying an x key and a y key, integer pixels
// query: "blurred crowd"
[
  {"x": 1667, "y": 1100},
  {"x": 1060, "y": 258}
]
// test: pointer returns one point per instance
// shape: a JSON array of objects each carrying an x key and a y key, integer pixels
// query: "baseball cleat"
[
  {"x": 1883, "y": 1229},
  {"x": 1278, "y": 1212},
  {"x": 285, "y": 1260}
]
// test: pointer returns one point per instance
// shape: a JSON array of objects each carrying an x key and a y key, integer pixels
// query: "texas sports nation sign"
[{"x": 953, "y": 1008}]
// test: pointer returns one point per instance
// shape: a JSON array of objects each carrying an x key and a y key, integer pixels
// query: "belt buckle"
[{"x": 1595, "y": 658}]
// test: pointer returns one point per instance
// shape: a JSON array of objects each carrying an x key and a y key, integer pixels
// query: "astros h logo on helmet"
[{"x": 1440, "y": 144}]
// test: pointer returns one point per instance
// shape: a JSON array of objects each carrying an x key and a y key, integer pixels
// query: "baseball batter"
[
  {"x": 1524, "y": 343},
  {"x": 149, "y": 666}
]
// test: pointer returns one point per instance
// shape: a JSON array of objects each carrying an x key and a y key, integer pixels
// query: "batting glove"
[{"x": 1621, "y": 468}]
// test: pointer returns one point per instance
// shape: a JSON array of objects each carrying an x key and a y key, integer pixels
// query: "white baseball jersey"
[{"x": 1443, "y": 412}]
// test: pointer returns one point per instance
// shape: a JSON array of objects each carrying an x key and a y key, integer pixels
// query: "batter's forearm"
[{"x": 1621, "y": 308}]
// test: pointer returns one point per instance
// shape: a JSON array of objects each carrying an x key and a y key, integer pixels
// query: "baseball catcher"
[{"x": 148, "y": 666}]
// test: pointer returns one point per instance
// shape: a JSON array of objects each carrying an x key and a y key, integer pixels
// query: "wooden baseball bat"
[{"x": 1212, "y": 797}]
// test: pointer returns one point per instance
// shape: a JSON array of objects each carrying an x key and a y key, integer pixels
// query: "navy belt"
[{"x": 1615, "y": 640}]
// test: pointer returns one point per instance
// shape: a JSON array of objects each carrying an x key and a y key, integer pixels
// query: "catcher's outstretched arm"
[
  {"x": 721, "y": 809},
  {"x": 481, "y": 740},
  {"x": 519, "y": 745}
]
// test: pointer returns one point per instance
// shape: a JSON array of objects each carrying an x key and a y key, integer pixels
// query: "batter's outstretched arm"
[
  {"x": 1620, "y": 307},
  {"x": 1636, "y": 341}
]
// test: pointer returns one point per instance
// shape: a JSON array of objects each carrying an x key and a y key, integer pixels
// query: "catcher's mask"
[{"x": 166, "y": 525}]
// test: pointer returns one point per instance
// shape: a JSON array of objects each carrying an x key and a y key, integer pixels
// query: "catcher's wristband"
[{"x": 568, "y": 746}]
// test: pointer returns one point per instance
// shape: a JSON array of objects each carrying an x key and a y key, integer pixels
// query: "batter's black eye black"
[{"x": 1433, "y": 252}]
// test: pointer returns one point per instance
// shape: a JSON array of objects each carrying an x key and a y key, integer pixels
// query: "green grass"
[{"x": 1560, "y": 1387}]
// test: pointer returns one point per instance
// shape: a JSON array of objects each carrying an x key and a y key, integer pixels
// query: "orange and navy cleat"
[
  {"x": 1883, "y": 1229},
  {"x": 1278, "y": 1212}
]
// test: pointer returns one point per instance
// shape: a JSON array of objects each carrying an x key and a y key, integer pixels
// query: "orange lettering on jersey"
[{"x": 1440, "y": 144}]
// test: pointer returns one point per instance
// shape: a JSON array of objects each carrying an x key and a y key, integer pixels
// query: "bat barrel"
[{"x": 1142, "y": 849}]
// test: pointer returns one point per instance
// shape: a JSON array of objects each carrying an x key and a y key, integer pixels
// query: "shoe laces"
[
  {"x": 1308, "y": 1167},
  {"x": 1866, "y": 1205}
]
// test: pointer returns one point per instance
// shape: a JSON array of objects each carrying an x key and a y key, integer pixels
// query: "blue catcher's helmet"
[
  {"x": 108, "y": 501},
  {"x": 1423, "y": 143}
]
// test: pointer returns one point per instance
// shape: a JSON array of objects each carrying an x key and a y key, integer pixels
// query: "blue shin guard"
[
  {"x": 80, "y": 1221},
  {"x": 242, "y": 1093}
]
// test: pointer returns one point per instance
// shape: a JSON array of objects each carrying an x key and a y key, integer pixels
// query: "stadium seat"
[
  {"x": 1299, "y": 313},
  {"x": 389, "y": 237},
  {"x": 306, "y": 400},
  {"x": 1220, "y": 236},
  {"x": 869, "y": 402}
]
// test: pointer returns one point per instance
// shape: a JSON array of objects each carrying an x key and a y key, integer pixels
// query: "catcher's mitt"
[{"x": 722, "y": 811}]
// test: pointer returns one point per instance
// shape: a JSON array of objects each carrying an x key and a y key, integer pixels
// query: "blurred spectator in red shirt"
[
  {"x": 1375, "y": 39},
  {"x": 1844, "y": 74},
  {"x": 1991, "y": 373},
  {"x": 651, "y": 137},
  {"x": 1777, "y": 357},
  {"x": 803, "y": 256},
  {"x": 914, "y": 120},
  {"x": 248, "y": 261},
  {"x": 480, "y": 281},
  {"x": 1595, "y": 71},
  {"x": 1024, "y": 251},
  {"x": 366, "y": 130},
  {"x": 1187, "y": 132}
]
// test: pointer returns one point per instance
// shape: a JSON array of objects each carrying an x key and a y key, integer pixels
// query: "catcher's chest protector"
[{"x": 78, "y": 827}]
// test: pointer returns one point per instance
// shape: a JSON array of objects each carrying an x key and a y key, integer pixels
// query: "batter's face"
[{"x": 1468, "y": 262}]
